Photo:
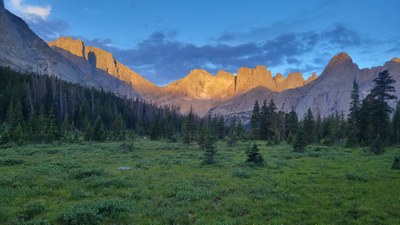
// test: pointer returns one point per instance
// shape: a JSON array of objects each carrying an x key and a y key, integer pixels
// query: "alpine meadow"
[{"x": 274, "y": 122}]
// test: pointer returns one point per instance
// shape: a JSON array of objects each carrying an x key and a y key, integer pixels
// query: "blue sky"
[{"x": 163, "y": 40}]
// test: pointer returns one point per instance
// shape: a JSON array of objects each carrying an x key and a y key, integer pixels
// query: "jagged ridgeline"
[{"x": 43, "y": 108}]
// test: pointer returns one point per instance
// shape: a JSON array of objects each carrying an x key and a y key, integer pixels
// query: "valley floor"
[{"x": 169, "y": 184}]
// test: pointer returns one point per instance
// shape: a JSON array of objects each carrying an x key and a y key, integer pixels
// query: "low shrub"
[
  {"x": 31, "y": 210},
  {"x": 12, "y": 162},
  {"x": 83, "y": 173},
  {"x": 92, "y": 213},
  {"x": 396, "y": 163}
]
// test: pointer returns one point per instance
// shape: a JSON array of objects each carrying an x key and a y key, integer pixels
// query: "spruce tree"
[
  {"x": 300, "y": 140},
  {"x": 309, "y": 125},
  {"x": 118, "y": 127},
  {"x": 255, "y": 121},
  {"x": 98, "y": 132},
  {"x": 354, "y": 116},
  {"x": 291, "y": 123},
  {"x": 367, "y": 122},
  {"x": 264, "y": 120},
  {"x": 188, "y": 128},
  {"x": 396, "y": 125},
  {"x": 51, "y": 133},
  {"x": 383, "y": 92},
  {"x": 254, "y": 156},
  {"x": 209, "y": 150}
]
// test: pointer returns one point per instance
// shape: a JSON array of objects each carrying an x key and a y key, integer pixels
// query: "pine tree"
[
  {"x": 300, "y": 141},
  {"x": 51, "y": 133},
  {"x": 188, "y": 128},
  {"x": 209, "y": 150},
  {"x": 354, "y": 116},
  {"x": 98, "y": 132},
  {"x": 383, "y": 92},
  {"x": 291, "y": 123},
  {"x": 254, "y": 156},
  {"x": 264, "y": 120},
  {"x": 396, "y": 125},
  {"x": 367, "y": 122},
  {"x": 255, "y": 121},
  {"x": 65, "y": 128},
  {"x": 155, "y": 129},
  {"x": 118, "y": 127},
  {"x": 376, "y": 146},
  {"x": 233, "y": 133},
  {"x": 308, "y": 124}
]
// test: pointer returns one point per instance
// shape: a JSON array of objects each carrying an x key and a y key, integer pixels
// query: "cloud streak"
[
  {"x": 30, "y": 12},
  {"x": 162, "y": 58}
]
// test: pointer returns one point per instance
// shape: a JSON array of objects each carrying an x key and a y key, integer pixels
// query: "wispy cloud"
[
  {"x": 162, "y": 58},
  {"x": 30, "y": 12}
]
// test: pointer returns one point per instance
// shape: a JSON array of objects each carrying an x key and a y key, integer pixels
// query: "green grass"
[{"x": 170, "y": 184}]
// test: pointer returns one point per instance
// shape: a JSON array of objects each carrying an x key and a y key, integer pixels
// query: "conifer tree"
[
  {"x": 291, "y": 123},
  {"x": 308, "y": 124},
  {"x": 51, "y": 132},
  {"x": 396, "y": 125},
  {"x": 353, "y": 119},
  {"x": 118, "y": 127},
  {"x": 209, "y": 150},
  {"x": 254, "y": 156},
  {"x": 188, "y": 128},
  {"x": 255, "y": 121},
  {"x": 300, "y": 141},
  {"x": 98, "y": 132},
  {"x": 383, "y": 92},
  {"x": 264, "y": 122}
]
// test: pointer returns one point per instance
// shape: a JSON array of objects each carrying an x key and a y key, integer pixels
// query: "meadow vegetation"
[{"x": 169, "y": 183}]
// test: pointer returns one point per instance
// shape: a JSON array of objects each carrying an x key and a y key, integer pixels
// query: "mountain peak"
[
  {"x": 340, "y": 58},
  {"x": 310, "y": 79},
  {"x": 75, "y": 47},
  {"x": 2, "y": 4},
  {"x": 279, "y": 78},
  {"x": 396, "y": 60}
]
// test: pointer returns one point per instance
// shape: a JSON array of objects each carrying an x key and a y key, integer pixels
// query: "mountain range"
[{"x": 224, "y": 93}]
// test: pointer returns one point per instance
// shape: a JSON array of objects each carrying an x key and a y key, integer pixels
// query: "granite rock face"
[
  {"x": 327, "y": 95},
  {"x": 22, "y": 50},
  {"x": 100, "y": 63}
]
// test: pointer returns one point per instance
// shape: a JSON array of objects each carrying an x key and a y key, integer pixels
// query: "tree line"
[{"x": 367, "y": 124}]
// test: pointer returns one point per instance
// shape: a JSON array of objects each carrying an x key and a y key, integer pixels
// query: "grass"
[{"x": 170, "y": 184}]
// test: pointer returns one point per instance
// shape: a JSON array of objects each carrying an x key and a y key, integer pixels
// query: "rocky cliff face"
[
  {"x": 22, "y": 50},
  {"x": 200, "y": 84},
  {"x": 328, "y": 94},
  {"x": 97, "y": 63}
]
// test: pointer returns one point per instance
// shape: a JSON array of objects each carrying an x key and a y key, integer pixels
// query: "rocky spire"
[
  {"x": 339, "y": 59},
  {"x": 2, "y": 4}
]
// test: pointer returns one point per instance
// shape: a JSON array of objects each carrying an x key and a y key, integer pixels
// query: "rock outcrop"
[
  {"x": 328, "y": 94},
  {"x": 97, "y": 62},
  {"x": 199, "y": 84},
  {"x": 310, "y": 79},
  {"x": 22, "y": 50}
]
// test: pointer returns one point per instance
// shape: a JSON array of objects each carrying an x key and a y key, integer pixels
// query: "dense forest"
[
  {"x": 370, "y": 122},
  {"x": 45, "y": 109}
]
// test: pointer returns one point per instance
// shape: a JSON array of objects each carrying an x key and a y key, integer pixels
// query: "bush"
[
  {"x": 11, "y": 162},
  {"x": 92, "y": 213},
  {"x": 31, "y": 210},
  {"x": 83, "y": 173}
]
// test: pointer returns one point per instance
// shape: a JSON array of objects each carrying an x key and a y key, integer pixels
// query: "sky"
[{"x": 164, "y": 40}]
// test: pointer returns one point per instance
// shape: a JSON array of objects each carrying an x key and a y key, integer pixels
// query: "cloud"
[
  {"x": 162, "y": 58},
  {"x": 49, "y": 29},
  {"x": 30, "y": 12}
]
